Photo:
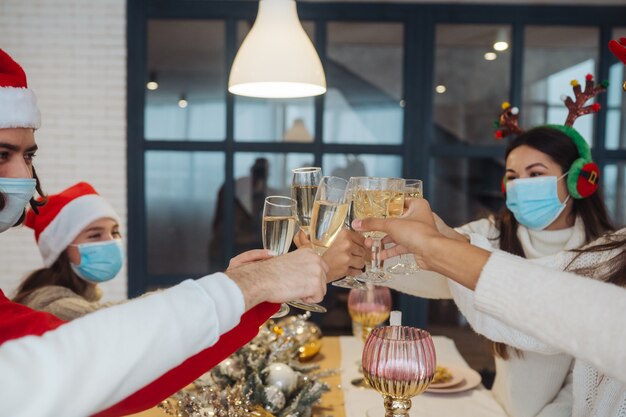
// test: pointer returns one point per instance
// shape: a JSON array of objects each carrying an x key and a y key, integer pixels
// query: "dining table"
[{"x": 342, "y": 353}]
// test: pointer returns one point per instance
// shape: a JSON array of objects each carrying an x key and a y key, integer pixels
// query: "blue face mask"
[
  {"x": 99, "y": 261},
  {"x": 535, "y": 201},
  {"x": 17, "y": 193}
]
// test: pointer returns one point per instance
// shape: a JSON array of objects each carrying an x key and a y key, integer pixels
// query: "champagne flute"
[
  {"x": 279, "y": 227},
  {"x": 399, "y": 362},
  {"x": 349, "y": 281},
  {"x": 406, "y": 264},
  {"x": 378, "y": 198},
  {"x": 304, "y": 183},
  {"x": 328, "y": 216},
  {"x": 369, "y": 308}
]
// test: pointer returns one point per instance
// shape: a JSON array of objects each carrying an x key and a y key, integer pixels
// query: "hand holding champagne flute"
[
  {"x": 304, "y": 185},
  {"x": 279, "y": 226},
  {"x": 379, "y": 198}
]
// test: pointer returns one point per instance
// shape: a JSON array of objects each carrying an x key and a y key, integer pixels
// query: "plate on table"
[{"x": 463, "y": 379}]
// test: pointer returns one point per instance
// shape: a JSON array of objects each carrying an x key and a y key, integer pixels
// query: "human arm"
[
  {"x": 190, "y": 370},
  {"x": 100, "y": 358},
  {"x": 559, "y": 308},
  {"x": 121, "y": 349}
]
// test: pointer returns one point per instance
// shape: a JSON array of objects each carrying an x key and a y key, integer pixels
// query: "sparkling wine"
[
  {"x": 369, "y": 314},
  {"x": 278, "y": 233},
  {"x": 413, "y": 192},
  {"x": 327, "y": 219},
  {"x": 396, "y": 381},
  {"x": 377, "y": 204},
  {"x": 304, "y": 196}
]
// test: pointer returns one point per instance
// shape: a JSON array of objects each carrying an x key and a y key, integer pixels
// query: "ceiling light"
[
  {"x": 501, "y": 46},
  {"x": 440, "y": 89},
  {"x": 182, "y": 102},
  {"x": 277, "y": 58},
  {"x": 490, "y": 56},
  {"x": 152, "y": 83}
]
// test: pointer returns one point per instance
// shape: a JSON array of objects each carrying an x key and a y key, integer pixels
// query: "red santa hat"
[
  {"x": 64, "y": 217},
  {"x": 18, "y": 104}
]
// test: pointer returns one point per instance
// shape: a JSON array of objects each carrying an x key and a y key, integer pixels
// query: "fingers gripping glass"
[
  {"x": 279, "y": 227},
  {"x": 406, "y": 263},
  {"x": 349, "y": 281},
  {"x": 376, "y": 198}
]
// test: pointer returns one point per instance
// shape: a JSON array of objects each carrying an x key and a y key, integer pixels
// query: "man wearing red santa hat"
[{"x": 125, "y": 358}]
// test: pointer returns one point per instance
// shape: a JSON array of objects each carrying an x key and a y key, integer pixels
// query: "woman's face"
[
  {"x": 527, "y": 162},
  {"x": 17, "y": 150},
  {"x": 100, "y": 230}
]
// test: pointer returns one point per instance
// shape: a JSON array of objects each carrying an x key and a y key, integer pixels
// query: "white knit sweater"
[
  {"x": 533, "y": 384},
  {"x": 568, "y": 313},
  {"x": 537, "y": 383}
]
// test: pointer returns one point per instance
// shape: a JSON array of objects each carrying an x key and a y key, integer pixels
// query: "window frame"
[{"x": 417, "y": 149}]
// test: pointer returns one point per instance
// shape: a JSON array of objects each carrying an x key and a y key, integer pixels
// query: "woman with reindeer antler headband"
[{"x": 552, "y": 205}]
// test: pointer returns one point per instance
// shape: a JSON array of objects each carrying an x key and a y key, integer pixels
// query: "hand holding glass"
[
  {"x": 378, "y": 198},
  {"x": 279, "y": 227}
]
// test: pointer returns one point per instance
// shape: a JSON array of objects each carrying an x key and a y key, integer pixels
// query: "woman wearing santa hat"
[
  {"x": 78, "y": 235},
  {"x": 94, "y": 364}
]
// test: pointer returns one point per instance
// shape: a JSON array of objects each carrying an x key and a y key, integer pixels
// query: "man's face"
[{"x": 17, "y": 150}]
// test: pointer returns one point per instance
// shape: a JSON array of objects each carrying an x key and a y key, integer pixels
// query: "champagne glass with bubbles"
[
  {"x": 399, "y": 362},
  {"x": 304, "y": 185},
  {"x": 406, "y": 264},
  {"x": 328, "y": 216},
  {"x": 279, "y": 227},
  {"x": 376, "y": 198}
]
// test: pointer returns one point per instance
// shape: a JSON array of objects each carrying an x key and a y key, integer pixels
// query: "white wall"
[{"x": 74, "y": 55}]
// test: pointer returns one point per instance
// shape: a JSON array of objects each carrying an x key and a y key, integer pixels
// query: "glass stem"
[
  {"x": 375, "y": 262},
  {"x": 397, "y": 407}
]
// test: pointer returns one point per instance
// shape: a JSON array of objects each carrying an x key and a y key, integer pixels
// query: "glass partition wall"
[{"x": 413, "y": 91}]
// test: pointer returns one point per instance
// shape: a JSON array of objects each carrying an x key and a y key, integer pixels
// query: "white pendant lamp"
[{"x": 277, "y": 58}]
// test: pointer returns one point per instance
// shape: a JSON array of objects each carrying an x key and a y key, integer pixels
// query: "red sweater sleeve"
[
  {"x": 17, "y": 320},
  {"x": 192, "y": 368}
]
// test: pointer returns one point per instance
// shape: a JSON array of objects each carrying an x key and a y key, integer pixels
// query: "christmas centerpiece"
[{"x": 264, "y": 378}]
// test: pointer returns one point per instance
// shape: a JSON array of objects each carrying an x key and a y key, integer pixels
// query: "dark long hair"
[
  {"x": 614, "y": 269},
  {"x": 34, "y": 203},
  {"x": 59, "y": 273},
  {"x": 592, "y": 210}
]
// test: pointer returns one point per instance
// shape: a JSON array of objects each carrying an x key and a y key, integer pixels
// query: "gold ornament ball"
[{"x": 307, "y": 334}]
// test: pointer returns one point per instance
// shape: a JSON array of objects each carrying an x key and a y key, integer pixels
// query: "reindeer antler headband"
[
  {"x": 577, "y": 108},
  {"x": 507, "y": 122}
]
